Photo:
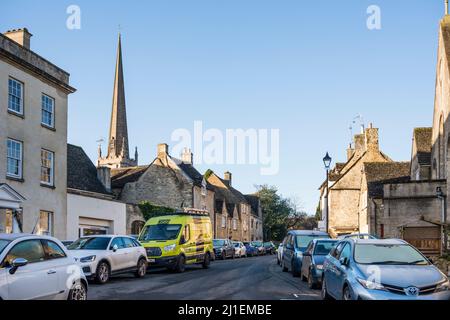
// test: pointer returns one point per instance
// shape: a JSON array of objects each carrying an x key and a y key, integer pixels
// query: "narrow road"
[{"x": 258, "y": 278}]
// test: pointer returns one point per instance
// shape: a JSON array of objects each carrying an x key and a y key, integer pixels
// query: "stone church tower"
[{"x": 118, "y": 155}]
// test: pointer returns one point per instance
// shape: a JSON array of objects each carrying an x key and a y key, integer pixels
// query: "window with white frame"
[
  {"x": 234, "y": 224},
  {"x": 14, "y": 158},
  {"x": 45, "y": 225},
  {"x": 224, "y": 222},
  {"x": 15, "y": 96},
  {"x": 47, "y": 164},
  {"x": 48, "y": 111}
]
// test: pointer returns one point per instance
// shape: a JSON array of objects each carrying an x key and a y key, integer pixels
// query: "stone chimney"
[
  {"x": 227, "y": 176},
  {"x": 359, "y": 143},
  {"x": 104, "y": 175},
  {"x": 187, "y": 156},
  {"x": 21, "y": 36},
  {"x": 163, "y": 150},
  {"x": 350, "y": 152},
  {"x": 371, "y": 139}
]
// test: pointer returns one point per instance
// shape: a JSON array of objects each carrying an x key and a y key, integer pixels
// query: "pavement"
[{"x": 257, "y": 278}]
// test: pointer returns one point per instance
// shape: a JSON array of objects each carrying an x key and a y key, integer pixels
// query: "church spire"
[
  {"x": 446, "y": 7},
  {"x": 118, "y": 155},
  {"x": 118, "y": 131}
]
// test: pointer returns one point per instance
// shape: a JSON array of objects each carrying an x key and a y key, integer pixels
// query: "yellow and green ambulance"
[{"x": 176, "y": 240}]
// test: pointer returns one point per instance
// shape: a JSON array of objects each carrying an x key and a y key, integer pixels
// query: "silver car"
[{"x": 371, "y": 269}]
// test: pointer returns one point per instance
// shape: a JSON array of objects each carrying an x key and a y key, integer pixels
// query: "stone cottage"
[
  {"x": 345, "y": 183},
  {"x": 231, "y": 210},
  {"x": 167, "y": 181}
]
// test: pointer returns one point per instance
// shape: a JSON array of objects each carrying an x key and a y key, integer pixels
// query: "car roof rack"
[{"x": 192, "y": 212}]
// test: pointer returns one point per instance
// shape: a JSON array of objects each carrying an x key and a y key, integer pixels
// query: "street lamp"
[
  {"x": 441, "y": 195},
  {"x": 327, "y": 163}
]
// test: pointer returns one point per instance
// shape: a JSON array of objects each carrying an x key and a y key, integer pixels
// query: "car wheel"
[
  {"x": 347, "y": 294},
  {"x": 141, "y": 270},
  {"x": 78, "y": 292},
  {"x": 324, "y": 292},
  {"x": 181, "y": 265},
  {"x": 233, "y": 255},
  {"x": 311, "y": 282},
  {"x": 224, "y": 255},
  {"x": 206, "y": 261},
  {"x": 295, "y": 273},
  {"x": 103, "y": 272}
]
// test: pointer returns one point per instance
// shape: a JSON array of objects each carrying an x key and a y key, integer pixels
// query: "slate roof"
[
  {"x": 422, "y": 139},
  {"x": 253, "y": 200},
  {"x": 230, "y": 195},
  {"x": 120, "y": 177},
  {"x": 379, "y": 173},
  {"x": 81, "y": 172},
  {"x": 193, "y": 173}
]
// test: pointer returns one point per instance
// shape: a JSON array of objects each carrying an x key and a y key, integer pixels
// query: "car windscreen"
[
  {"x": 236, "y": 244},
  {"x": 3, "y": 244},
  {"x": 323, "y": 247},
  {"x": 302, "y": 241},
  {"x": 218, "y": 243},
  {"x": 160, "y": 232},
  {"x": 399, "y": 254},
  {"x": 94, "y": 243}
]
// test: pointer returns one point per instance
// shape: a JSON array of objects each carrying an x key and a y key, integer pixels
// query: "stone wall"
[
  {"x": 133, "y": 214},
  {"x": 161, "y": 185}
]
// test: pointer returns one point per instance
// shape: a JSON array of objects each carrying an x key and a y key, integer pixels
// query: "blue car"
[
  {"x": 369, "y": 269},
  {"x": 313, "y": 258},
  {"x": 296, "y": 243},
  {"x": 251, "y": 250}
]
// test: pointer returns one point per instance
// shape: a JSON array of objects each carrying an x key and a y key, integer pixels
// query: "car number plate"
[{"x": 151, "y": 260}]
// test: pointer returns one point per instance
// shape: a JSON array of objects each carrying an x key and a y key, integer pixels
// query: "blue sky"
[{"x": 305, "y": 67}]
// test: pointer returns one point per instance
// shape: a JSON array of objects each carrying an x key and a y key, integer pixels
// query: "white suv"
[
  {"x": 102, "y": 256},
  {"x": 38, "y": 267}
]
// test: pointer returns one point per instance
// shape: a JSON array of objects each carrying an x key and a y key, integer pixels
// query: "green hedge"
[{"x": 150, "y": 210}]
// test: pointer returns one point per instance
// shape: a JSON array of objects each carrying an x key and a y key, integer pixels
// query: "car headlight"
[
  {"x": 88, "y": 259},
  {"x": 443, "y": 286},
  {"x": 370, "y": 284},
  {"x": 170, "y": 248},
  {"x": 319, "y": 267}
]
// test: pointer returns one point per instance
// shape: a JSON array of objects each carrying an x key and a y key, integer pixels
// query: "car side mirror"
[
  {"x": 182, "y": 239},
  {"x": 115, "y": 248},
  {"x": 307, "y": 254},
  {"x": 16, "y": 264},
  {"x": 344, "y": 261}
]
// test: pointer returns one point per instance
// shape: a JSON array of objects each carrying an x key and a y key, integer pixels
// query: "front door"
[{"x": 38, "y": 279}]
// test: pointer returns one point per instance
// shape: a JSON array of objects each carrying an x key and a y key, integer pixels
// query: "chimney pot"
[
  {"x": 187, "y": 156},
  {"x": 20, "y": 36}
]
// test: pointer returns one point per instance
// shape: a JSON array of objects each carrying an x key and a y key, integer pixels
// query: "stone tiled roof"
[
  {"x": 193, "y": 173},
  {"x": 81, "y": 172},
  {"x": 253, "y": 200},
  {"x": 422, "y": 139},
  {"x": 120, "y": 177},
  {"x": 379, "y": 173}
]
